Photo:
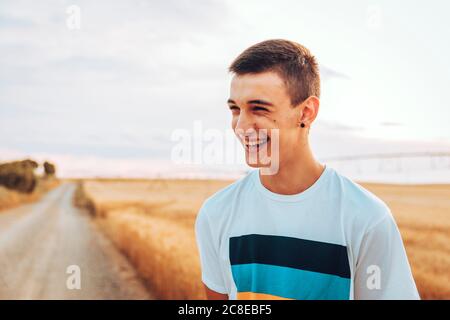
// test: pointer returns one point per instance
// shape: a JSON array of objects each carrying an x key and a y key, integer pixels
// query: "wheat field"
[{"x": 152, "y": 222}]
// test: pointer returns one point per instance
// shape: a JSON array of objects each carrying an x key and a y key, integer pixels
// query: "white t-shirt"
[{"x": 335, "y": 240}]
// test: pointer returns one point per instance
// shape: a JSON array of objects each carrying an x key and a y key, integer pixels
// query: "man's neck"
[{"x": 294, "y": 176}]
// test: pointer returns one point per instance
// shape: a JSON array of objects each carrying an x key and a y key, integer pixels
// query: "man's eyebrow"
[
  {"x": 257, "y": 101},
  {"x": 261, "y": 102}
]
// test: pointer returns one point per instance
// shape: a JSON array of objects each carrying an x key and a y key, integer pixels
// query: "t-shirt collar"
[{"x": 292, "y": 197}]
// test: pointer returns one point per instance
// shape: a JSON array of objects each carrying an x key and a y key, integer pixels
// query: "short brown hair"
[{"x": 293, "y": 62}]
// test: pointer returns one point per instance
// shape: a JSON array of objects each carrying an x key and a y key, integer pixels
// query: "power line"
[{"x": 389, "y": 156}]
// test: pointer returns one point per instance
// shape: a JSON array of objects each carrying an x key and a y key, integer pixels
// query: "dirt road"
[{"x": 52, "y": 250}]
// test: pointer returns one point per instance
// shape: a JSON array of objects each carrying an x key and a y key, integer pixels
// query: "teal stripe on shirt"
[{"x": 290, "y": 282}]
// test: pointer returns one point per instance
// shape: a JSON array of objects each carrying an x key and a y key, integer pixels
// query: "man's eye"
[
  {"x": 234, "y": 109},
  {"x": 260, "y": 109}
]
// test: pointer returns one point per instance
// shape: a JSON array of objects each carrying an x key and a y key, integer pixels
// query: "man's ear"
[{"x": 309, "y": 110}]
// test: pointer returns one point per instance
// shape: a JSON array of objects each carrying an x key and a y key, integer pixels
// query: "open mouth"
[{"x": 256, "y": 145}]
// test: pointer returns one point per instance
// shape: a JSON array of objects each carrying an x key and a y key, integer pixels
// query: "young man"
[{"x": 303, "y": 231}]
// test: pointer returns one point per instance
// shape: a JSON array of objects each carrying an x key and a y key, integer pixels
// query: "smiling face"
[{"x": 261, "y": 108}]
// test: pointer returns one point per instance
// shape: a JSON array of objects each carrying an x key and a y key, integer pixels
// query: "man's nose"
[
  {"x": 245, "y": 122},
  {"x": 245, "y": 127}
]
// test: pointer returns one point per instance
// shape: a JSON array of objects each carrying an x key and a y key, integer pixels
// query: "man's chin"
[
  {"x": 257, "y": 164},
  {"x": 254, "y": 165}
]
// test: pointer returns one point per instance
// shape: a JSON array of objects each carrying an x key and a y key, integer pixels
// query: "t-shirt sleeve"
[
  {"x": 383, "y": 271},
  {"x": 208, "y": 251}
]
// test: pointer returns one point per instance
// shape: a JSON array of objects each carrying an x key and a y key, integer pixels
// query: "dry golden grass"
[
  {"x": 152, "y": 222},
  {"x": 11, "y": 198}
]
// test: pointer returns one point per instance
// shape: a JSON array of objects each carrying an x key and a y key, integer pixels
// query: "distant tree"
[
  {"x": 19, "y": 175},
  {"x": 28, "y": 164},
  {"x": 49, "y": 169}
]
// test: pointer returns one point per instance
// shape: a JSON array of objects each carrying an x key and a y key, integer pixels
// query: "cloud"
[
  {"x": 391, "y": 124},
  {"x": 328, "y": 73},
  {"x": 136, "y": 71}
]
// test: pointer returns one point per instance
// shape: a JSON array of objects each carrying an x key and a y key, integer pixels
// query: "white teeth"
[{"x": 255, "y": 143}]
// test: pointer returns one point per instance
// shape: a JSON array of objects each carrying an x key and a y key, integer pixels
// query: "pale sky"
[{"x": 105, "y": 99}]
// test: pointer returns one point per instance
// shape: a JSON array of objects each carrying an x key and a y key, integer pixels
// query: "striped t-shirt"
[{"x": 335, "y": 240}]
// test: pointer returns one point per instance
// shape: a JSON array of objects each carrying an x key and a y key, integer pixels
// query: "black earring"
[{"x": 302, "y": 125}]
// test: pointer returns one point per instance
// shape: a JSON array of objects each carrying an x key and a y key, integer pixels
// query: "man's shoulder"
[
  {"x": 221, "y": 199},
  {"x": 360, "y": 203}
]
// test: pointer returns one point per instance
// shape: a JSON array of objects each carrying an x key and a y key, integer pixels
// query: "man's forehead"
[{"x": 267, "y": 84}]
